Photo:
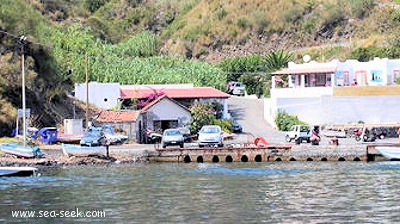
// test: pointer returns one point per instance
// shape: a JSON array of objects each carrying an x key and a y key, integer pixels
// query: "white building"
[
  {"x": 337, "y": 92},
  {"x": 103, "y": 95}
]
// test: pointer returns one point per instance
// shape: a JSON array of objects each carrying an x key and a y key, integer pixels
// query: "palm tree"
[{"x": 276, "y": 60}]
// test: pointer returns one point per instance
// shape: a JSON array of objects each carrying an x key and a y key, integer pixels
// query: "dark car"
[
  {"x": 236, "y": 127},
  {"x": 186, "y": 134},
  {"x": 93, "y": 138}
]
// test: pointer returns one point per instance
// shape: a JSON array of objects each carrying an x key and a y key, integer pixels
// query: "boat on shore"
[
  {"x": 21, "y": 150},
  {"x": 69, "y": 138},
  {"x": 389, "y": 152},
  {"x": 78, "y": 150},
  {"x": 17, "y": 171}
]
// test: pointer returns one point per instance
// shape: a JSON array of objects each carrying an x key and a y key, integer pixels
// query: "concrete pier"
[
  {"x": 270, "y": 153},
  {"x": 304, "y": 152}
]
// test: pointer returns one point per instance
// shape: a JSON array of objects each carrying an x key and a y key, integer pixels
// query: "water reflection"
[{"x": 293, "y": 192}]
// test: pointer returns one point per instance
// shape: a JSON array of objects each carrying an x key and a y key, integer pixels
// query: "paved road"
[{"x": 249, "y": 112}]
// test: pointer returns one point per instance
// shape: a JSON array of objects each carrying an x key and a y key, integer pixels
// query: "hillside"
[{"x": 184, "y": 41}]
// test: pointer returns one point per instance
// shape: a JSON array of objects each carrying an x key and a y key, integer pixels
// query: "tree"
[
  {"x": 202, "y": 114},
  {"x": 276, "y": 60}
]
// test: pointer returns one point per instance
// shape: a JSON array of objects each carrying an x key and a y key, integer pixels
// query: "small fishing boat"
[
  {"x": 69, "y": 138},
  {"x": 78, "y": 150},
  {"x": 391, "y": 153},
  {"x": 21, "y": 150},
  {"x": 17, "y": 171}
]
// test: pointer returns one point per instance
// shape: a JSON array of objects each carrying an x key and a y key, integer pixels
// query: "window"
[{"x": 321, "y": 80}]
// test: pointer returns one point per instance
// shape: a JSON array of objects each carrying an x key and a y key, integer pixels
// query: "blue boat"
[
  {"x": 78, "y": 150},
  {"x": 21, "y": 151},
  {"x": 17, "y": 171}
]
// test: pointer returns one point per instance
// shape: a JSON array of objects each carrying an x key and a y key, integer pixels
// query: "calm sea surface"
[{"x": 292, "y": 192}]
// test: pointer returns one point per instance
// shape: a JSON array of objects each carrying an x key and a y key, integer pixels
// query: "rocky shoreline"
[{"x": 55, "y": 158}]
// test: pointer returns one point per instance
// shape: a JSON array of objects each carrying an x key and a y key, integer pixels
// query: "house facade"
[
  {"x": 337, "y": 92},
  {"x": 160, "y": 114},
  {"x": 185, "y": 94},
  {"x": 122, "y": 121},
  {"x": 378, "y": 72}
]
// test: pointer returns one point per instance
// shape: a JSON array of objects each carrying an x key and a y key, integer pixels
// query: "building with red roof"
[
  {"x": 158, "y": 106},
  {"x": 160, "y": 114},
  {"x": 185, "y": 94}
]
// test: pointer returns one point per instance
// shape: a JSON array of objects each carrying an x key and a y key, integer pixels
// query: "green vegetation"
[
  {"x": 204, "y": 114},
  {"x": 135, "y": 61},
  {"x": 254, "y": 70},
  {"x": 284, "y": 120},
  {"x": 225, "y": 124}
]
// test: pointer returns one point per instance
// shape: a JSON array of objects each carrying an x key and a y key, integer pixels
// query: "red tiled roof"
[
  {"x": 188, "y": 93},
  {"x": 301, "y": 71},
  {"x": 118, "y": 116}
]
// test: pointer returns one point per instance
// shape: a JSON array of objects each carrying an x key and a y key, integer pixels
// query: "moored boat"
[
  {"x": 17, "y": 171},
  {"x": 389, "y": 152},
  {"x": 78, "y": 150},
  {"x": 21, "y": 150}
]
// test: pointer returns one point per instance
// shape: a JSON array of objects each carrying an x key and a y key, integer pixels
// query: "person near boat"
[{"x": 315, "y": 137}]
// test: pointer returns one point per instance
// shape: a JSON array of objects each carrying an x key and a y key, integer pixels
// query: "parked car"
[
  {"x": 210, "y": 135},
  {"x": 172, "y": 137},
  {"x": 186, "y": 134},
  {"x": 299, "y": 133},
  {"x": 237, "y": 88},
  {"x": 93, "y": 138},
  {"x": 236, "y": 127}
]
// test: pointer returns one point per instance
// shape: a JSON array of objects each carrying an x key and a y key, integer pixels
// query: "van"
[{"x": 299, "y": 133}]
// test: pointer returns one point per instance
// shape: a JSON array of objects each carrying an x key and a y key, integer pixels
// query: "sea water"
[{"x": 271, "y": 192}]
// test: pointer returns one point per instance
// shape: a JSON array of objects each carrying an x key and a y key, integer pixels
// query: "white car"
[
  {"x": 237, "y": 88},
  {"x": 210, "y": 135}
]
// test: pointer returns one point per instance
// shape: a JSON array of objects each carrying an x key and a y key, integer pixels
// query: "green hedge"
[{"x": 284, "y": 120}]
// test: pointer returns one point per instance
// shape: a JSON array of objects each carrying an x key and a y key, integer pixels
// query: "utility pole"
[
  {"x": 87, "y": 92},
  {"x": 22, "y": 40}
]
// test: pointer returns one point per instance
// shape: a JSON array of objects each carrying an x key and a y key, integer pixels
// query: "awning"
[{"x": 302, "y": 71}]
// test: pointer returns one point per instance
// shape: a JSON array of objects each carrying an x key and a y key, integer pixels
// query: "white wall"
[
  {"x": 339, "y": 110},
  {"x": 103, "y": 95},
  {"x": 168, "y": 110}
]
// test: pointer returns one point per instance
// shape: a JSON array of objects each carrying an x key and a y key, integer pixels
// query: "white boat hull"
[
  {"x": 391, "y": 153},
  {"x": 77, "y": 150},
  {"x": 17, "y": 171}
]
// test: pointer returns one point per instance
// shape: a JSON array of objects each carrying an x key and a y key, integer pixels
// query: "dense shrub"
[
  {"x": 225, "y": 124},
  {"x": 284, "y": 120},
  {"x": 202, "y": 114}
]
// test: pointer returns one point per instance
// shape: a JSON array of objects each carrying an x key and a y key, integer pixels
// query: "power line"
[{"x": 18, "y": 37}]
